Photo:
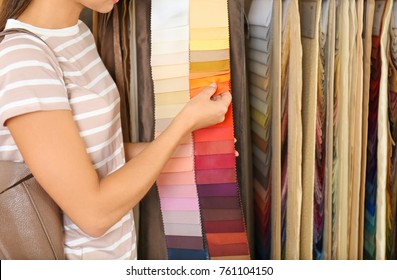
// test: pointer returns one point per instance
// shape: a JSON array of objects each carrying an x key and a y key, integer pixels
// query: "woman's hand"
[{"x": 205, "y": 110}]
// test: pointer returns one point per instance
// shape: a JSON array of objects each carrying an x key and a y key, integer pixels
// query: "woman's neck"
[{"x": 52, "y": 14}]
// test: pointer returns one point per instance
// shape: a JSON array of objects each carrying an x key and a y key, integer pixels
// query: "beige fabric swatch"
[
  {"x": 369, "y": 18},
  {"x": 294, "y": 199},
  {"x": 356, "y": 118},
  {"x": 170, "y": 71},
  {"x": 205, "y": 56},
  {"x": 218, "y": 15},
  {"x": 309, "y": 102},
  {"x": 171, "y": 85},
  {"x": 169, "y": 98},
  {"x": 173, "y": 58}
]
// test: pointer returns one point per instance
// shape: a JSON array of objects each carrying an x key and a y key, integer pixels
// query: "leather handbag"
[{"x": 31, "y": 225}]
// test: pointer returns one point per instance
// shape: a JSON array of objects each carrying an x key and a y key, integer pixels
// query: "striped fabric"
[{"x": 30, "y": 81}]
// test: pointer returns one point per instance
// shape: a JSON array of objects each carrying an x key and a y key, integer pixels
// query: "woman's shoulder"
[{"x": 20, "y": 46}]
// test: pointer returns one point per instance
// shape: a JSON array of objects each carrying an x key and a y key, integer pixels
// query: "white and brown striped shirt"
[{"x": 31, "y": 81}]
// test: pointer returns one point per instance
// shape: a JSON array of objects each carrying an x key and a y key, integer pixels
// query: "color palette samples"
[
  {"x": 214, "y": 147},
  {"x": 176, "y": 184},
  {"x": 199, "y": 195}
]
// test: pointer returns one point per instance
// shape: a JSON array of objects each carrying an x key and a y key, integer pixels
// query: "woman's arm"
[
  {"x": 134, "y": 149},
  {"x": 51, "y": 146}
]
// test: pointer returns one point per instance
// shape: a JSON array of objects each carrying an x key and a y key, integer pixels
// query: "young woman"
[{"x": 62, "y": 119}]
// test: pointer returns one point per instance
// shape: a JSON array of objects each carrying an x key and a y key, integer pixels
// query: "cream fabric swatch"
[
  {"x": 171, "y": 85},
  {"x": 294, "y": 199},
  {"x": 217, "y": 13},
  {"x": 169, "y": 59},
  {"x": 171, "y": 34},
  {"x": 169, "y": 14},
  {"x": 369, "y": 18},
  {"x": 170, "y": 71},
  {"x": 383, "y": 134},
  {"x": 309, "y": 25},
  {"x": 171, "y": 47},
  {"x": 356, "y": 93}
]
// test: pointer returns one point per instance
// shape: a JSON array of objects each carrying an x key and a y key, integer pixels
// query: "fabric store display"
[
  {"x": 209, "y": 175},
  {"x": 314, "y": 85}
]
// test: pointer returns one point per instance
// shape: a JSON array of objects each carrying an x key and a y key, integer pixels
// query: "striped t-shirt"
[{"x": 30, "y": 80}]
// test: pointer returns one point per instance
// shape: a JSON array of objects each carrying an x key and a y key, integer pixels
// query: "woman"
[{"x": 62, "y": 119}]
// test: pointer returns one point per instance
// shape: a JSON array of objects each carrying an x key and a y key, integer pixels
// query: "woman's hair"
[{"x": 11, "y": 9}]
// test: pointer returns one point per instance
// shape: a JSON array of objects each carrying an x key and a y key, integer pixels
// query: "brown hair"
[{"x": 11, "y": 9}]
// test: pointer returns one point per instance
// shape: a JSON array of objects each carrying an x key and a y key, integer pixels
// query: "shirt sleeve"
[{"x": 30, "y": 80}]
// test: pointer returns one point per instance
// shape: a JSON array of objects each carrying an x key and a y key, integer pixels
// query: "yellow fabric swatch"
[
  {"x": 258, "y": 117},
  {"x": 198, "y": 45},
  {"x": 215, "y": 33},
  {"x": 212, "y": 66}
]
